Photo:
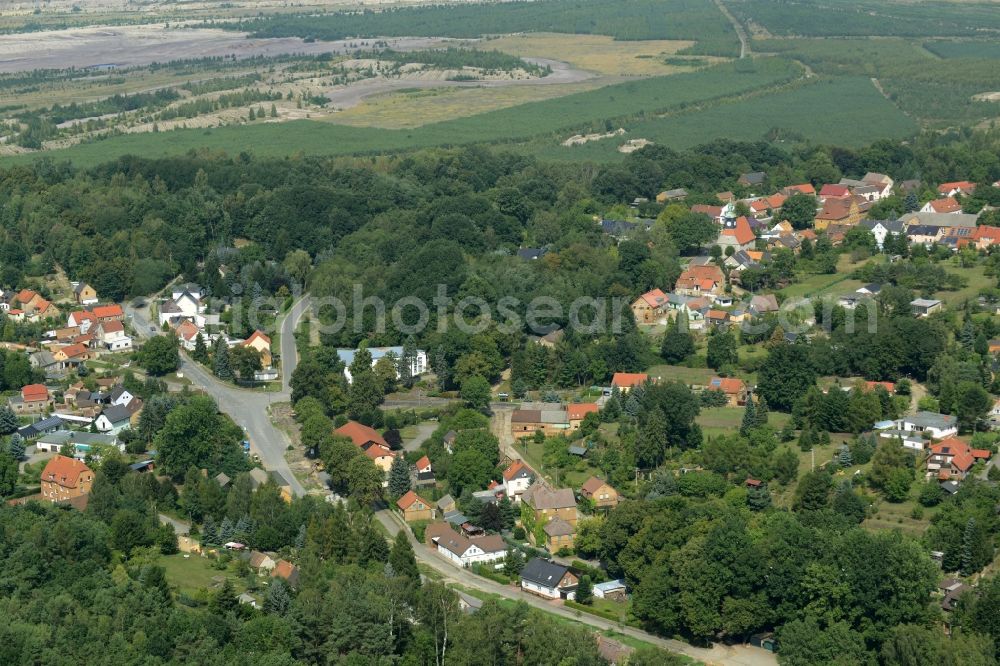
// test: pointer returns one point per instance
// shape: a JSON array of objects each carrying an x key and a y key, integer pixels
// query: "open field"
[
  {"x": 853, "y": 113},
  {"x": 637, "y": 20},
  {"x": 141, "y": 45},
  {"x": 556, "y": 117},
  {"x": 414, "y": 107},
  {"x": 977, "y": 281},
  {"x": 964, "y": 49},
  {"x": 726, "y": 420},
  {"x": 190, "y": 574},
  {"x": 868, "y": 17},
  {"x": 595, "y": 53}
]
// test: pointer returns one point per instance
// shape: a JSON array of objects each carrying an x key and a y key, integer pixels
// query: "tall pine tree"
[
  {"x": 399, "y": 477},
  {"x": 749, "y": 417},
  {"x": 220, "y": 360}
]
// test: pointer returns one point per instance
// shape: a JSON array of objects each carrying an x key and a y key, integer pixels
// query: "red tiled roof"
[
  {"x": 575, "y": 411},
  {"x": 257, "y": 335},
  {"x": 832, "y": 190},
  {"x": 963, "y": 185},
  {"x": 407, "y": 500},
  {"x": 25, "y": 295},
  {"x": 80, "y": 316},
  {"x": 728, "y": 385},
  {"x": 515, "y": 468},
  {"x": 74, "y": 350},
  {"x": 945, "y": 205},
  {"x": 962, "y": 457},
  {"x": 361, "y": 434},
  {"x": 741, "y": 232},
  {"x": 64, "y": 471},
  {"x": 628, "y": 379},
  {"x": 654, "y": 298},
  {"x": 113, "y": 310},
  {"x": 888, "y": 386},
  {"x": 717, "y": 314},
  {"x": 984, "y": 232},
  {"x": 694, "y": 276},
  {"x": 33, "y": 392},
  {"x": 376, "y": 451},
  {"x": 423, "y": 462},
  {"x": 711, "y": 211},
  {"x": 804, "y": 188}
]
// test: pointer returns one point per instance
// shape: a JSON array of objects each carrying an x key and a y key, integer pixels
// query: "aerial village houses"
[
  {"x": 556, "y": 511},
  {"x": 600, "y": 492},
  {"x": 34, "y": 399},
  {"x": 736, "y": 234},
  {"x": 65, "y": 479},
  {"x": 415, "y": 507},
  {"x": 626, "y": 381},
  {"x": 462, "y": 550},
  {"x": 418, "y": 365},
  {"x": 650, "y": 308},
  {"x": 732, "y": 387},
  {"x": 548, "y": 579},
  {"x": 705, "y": 279},
  {"x": 951, "y": 459},
  {"x": 84, "y": 294},
  {"x": 262, "y": 345},
  {"x": 368, "y": 440},
  {"x": 517, "y": 478}
]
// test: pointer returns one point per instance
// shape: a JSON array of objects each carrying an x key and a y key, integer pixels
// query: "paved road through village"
[{"x": 249, "y": 409}]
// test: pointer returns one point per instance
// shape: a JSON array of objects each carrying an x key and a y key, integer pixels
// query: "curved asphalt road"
[{"x": 249, "y": 409}]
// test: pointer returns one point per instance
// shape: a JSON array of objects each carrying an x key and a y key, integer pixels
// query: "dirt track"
[{"x": 352, "y": 95}]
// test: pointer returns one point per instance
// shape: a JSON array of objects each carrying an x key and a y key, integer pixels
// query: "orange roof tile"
[
  {"x": 741, "y": 232},
  {"x": 361, "y": 434},
  {"x": 629, "y": 379},
  {"x": 407, "y": 500},
  {"x": 575, "y": 411},
  {"x": 64, "y": 471},
  {"x": 654, "y": 298},
  {"x": 113, "y": 310},
  {"x": 34, "y": 392}
]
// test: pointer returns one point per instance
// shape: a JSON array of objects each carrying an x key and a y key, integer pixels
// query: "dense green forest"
[{"x": 638, "y": 19}]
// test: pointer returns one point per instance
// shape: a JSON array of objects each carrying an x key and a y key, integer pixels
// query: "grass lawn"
[
  {"x": 820, "y": 284},
  {"x": 891, "y": 516},
  {"x": 976, "y": 279},
  {"x": 724, "y": 420},
  {"x": 190, "y": 574},
  {"x": 699, "y": 376}
]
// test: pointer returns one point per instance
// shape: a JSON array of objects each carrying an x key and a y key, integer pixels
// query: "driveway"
[
  {"x": 424, "y": 432},
  {"x": 729, "y": 655}
]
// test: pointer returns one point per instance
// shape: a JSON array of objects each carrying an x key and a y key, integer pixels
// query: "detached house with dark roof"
[{"x": 548, "y": 579}]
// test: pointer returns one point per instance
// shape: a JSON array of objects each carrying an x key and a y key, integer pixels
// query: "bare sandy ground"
[
  {"x": 352, "y": 95},
  {"x": 128, "y": 46}
]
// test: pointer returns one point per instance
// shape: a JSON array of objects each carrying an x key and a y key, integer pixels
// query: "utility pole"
[{"x": 812, "y": 462}]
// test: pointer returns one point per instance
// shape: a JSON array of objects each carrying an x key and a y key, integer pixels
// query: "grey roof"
[
  {"x": 540, "y": 497},
  {"x": 61, "y": 437},
  {"x": 222, "y": 479},
  {"x": 455, "y": 518},
  {"x": 924, "y": 302},
  {"x": 558, "y": 527},
  {"x": 170, "y": 307},
  {"x": 610, "y": 585},
  {"x": 941, "y": 219},
  {"x": 675, "y": 193},
  {"x": 617, "y": 227},
  {"x": 577, "y": 450},
  {"x": 116, "y": 413},
  {"x": 445, "y": 501},
  {"x": 258, "y": 476},
  {"x": 531, "y": 252},
  {"x": 931, "y": 420},
  {"x": 754, "y": 177},
  {"x": 39, "y": 427},
  {"x": 117, "y": 392},
  {"x": 347, "y": 355},
  {"x": 543, "y": 572},
  {"x": 893, "y": 226},
  {"x": 79, "y": 287}
]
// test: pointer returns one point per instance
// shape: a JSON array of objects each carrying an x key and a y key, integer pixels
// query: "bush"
[
  {"x": 519, "y": 534},
  {"x": 419, "y": 527}
]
